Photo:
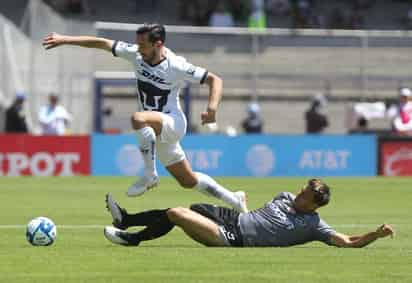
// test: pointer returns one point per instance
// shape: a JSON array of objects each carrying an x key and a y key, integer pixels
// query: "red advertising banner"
[
  {"x": 395, "y": 158},
  {"x": 44, "y": 155}
]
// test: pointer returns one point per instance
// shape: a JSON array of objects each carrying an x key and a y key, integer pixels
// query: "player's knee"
[
  {"x": 138, "y": 120},
  {"x": 176, "y": 213},
  {"x": 187, "y": 183}
]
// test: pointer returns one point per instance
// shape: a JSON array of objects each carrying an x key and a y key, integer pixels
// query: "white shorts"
[{"x": 168, "y": 146}]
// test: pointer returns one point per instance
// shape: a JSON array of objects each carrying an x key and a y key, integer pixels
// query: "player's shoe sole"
[
  {"x": 142, "y": 185},
  {"x": 117, "y": 236},
  {"x": 242, "y": 198},
  {"x": 116, "y": 211}
]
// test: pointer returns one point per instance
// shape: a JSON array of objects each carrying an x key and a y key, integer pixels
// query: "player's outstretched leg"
[
  {"x": 195, "y": 225},
  {"x": 184, "y": 174},
  {"x": 210, "y": 187}
]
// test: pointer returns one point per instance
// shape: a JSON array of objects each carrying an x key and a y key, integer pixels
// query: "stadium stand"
[
  {"x": 285, "y": 73},
  {"x": 372, "y": 14}
]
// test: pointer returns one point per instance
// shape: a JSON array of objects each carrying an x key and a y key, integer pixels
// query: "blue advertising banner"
[{"x": 254, "y": 155}]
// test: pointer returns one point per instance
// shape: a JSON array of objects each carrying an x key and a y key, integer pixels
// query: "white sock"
[
  {"x": 210, "y": 187},
  {"x": 147, "y": 141}
]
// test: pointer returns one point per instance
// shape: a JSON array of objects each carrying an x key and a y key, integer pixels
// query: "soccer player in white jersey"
[{"x": 160, "y": 122}]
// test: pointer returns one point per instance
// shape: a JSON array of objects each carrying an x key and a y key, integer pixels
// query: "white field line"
[
  {"x": 95, "y": 226},
  {"x": 58, "y": 226}
]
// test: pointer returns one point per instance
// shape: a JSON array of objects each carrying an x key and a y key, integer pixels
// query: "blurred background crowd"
[
  {"x": 334, "y": 14},
  {"x": 276, "y": 82}
]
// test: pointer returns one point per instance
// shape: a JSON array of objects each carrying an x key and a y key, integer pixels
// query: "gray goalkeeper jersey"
[{"x": 277, "y": 224}]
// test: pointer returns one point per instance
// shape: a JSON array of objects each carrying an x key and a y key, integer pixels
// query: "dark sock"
[
  {"x": 151, "y": 232},
  {"x": 144, "y": 218},
  {"x": 156, "y": 221}
]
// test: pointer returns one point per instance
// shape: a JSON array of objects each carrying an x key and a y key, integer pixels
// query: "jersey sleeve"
[
  {"x": 323, "y": 232},
  {"x": 124, "y": 50},
  {"x": 189, "y": 72}
]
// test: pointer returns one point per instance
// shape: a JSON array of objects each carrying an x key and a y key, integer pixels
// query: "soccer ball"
[{"x": 41, "y": 231}]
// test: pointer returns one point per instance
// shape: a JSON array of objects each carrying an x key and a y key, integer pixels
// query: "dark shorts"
[{"x": 226, "y": 218}]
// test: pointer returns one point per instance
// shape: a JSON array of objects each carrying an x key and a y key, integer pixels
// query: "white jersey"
[
  {"x": 53, "y": 120},
  {"x": 158, "y": 86}
]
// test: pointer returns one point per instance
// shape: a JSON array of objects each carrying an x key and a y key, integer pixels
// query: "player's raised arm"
[
  {"x": 345, "y": 241},
  {"x": 215, "y": 84},
  {"x": 54, "y": 40}
]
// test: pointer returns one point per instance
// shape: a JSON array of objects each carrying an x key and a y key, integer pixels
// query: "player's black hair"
[
  {"x": 156, "y": 32},
  {"x": 321, "y": 190}
]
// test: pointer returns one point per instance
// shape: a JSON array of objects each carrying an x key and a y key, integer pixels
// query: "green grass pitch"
[{"x": 82, "y": 254}]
